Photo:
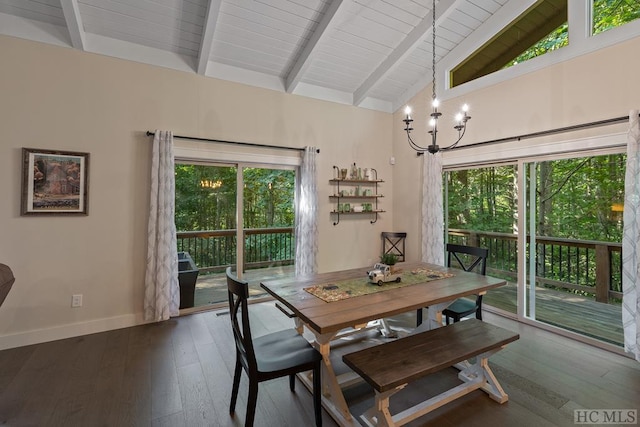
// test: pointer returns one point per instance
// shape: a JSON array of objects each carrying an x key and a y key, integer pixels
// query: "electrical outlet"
[{"x": 76, "y": 300}]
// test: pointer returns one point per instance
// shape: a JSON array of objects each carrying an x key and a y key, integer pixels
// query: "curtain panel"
[
  {"x": 432, "y": 225},
  {"x": 432, "y": 210},
  {"x": 631, "y": 241},
  {"x": 306, "y": 210},
  {"x": 162, "y": 291}
]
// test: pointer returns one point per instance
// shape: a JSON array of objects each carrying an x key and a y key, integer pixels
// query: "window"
[
  {"x": 569, "y": 227},
  {"x": 556, "y": 39},
  {"x": 608, "y": 14},
  {"x": 482, "y": 211},
  {"x": 542, "y": 28},
  {"x": 211, "y": 219},
  {"x": 574, "y": 235}
]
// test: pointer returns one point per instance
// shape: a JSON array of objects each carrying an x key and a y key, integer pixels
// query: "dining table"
[{"x": 334, "y": 304}]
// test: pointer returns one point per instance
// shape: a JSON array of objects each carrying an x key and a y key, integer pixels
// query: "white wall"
[
  {"x": 593, "y": 87},
  {"x": 59, "y": 98}
]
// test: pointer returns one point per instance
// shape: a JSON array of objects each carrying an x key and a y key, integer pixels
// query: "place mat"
[{"x": 350, "y": 288}]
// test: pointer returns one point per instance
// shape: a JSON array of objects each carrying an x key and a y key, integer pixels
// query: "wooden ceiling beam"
[
  {"x": 213, "y": 10},
  {"x": 408, "y": 44},
  {"x": 74, "y": 23},
  {"x": 304, "y": 60}
]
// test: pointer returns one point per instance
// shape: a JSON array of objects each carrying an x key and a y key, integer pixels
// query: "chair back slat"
[
  {"x": 468, "y": 258},
  {"x": 238, "y": 311}
]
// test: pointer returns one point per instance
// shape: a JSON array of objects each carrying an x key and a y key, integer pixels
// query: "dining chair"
[
  {"x": 467, "y": 258},
  {"x": 275, "y": 355},
  {"x": 6, "y": 281},
  {"x": 394, "y": 243}
]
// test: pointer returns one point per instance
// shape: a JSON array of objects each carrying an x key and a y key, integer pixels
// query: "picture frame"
[{"x": 54, "y": 182}]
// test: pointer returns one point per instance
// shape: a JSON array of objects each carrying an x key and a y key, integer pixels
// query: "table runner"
[{"x": 350, "y": 288}]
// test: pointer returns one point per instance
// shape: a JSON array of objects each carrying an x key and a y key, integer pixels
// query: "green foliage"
[
  {"x": 607, "y": 14},
  {"x": 268, "y": 198},
  {"x": 206, "y": 201},
  {"x": 554, "y": 40},
  {"x": 205, "y": 197},
  {"x": 389, "y": 258},
  {"x": 575, "y": 199},
  {"x": 614, "y": 13},
  {"x": 482, "y": 199}
]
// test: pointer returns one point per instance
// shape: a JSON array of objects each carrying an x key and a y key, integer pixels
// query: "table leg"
[
  {"x": 299, "y": 325},
  {"x": 331, "y": 387},
  {"x": 333, "y": 400}
]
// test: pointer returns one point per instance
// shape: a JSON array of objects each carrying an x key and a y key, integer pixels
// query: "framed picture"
[{"x": 54, "y": 182}]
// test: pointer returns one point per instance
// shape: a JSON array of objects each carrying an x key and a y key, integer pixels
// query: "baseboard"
[{"x": 68, "y": 331}]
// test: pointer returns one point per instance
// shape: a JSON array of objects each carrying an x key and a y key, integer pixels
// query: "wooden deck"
[
  {"x": 211, "y": 289},
  {"x": 571, "y": 312}
]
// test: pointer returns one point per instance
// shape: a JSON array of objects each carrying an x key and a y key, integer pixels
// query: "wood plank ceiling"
[{"x": 369, "y": 53}]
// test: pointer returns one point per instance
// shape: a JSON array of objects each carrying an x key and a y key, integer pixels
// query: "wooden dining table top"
[{"x": 329, "y": 317}]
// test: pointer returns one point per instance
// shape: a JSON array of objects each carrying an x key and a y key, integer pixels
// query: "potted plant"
[{"x": 389, "y": 259}]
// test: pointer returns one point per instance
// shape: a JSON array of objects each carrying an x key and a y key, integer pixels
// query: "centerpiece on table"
[{"x": 385, "y": 270}]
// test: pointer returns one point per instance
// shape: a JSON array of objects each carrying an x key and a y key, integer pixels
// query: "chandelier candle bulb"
[{"x": 407, "y": 112}]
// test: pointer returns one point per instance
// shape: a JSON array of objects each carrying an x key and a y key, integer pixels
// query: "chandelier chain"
[{"x": 433, "y": 48}]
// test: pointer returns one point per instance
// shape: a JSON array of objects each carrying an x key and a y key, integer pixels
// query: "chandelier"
[{"x": 461, "y": 118}]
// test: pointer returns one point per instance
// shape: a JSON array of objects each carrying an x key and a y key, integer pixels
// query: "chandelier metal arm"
[
  {"x": 414, "y": 145},
  {"x": 461, "y": 131}
]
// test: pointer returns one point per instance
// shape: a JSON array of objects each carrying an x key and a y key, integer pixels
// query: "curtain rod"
[
  {"x": 250, "y": 144},
  {"x": 547, "y": 132}
]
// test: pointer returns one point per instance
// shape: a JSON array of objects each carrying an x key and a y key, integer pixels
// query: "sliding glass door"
[
  {"x": 268, "y": 222},
  {"x": 553, "y": 228},
  {"x": 481, "y": 210},
  {"x": 211, "y": 200},
  {"x": 574, "y": 230}
]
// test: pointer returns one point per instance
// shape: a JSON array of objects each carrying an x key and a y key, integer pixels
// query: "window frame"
[{"x": 581, "y": 41}]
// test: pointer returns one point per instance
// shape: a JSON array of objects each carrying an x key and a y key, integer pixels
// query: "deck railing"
[
  {"x": 589, "y": 267},
  {"x": 215, "y": 250}
]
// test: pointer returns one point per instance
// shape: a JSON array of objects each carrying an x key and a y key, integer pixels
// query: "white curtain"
[
  {"x": 432, "y": 226},
  {"x": 306, "y": 207},
  {"x": 432, "y": 207},
  {"x": 162, "y": 293},
  {"x": 631, "y": 242}
]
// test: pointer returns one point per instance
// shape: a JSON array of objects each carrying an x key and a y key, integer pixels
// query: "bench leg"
[
  {"x": 379, "y": 415},
  {"x": 493, "y": 387},
  {"x": 481, "y": 369}
]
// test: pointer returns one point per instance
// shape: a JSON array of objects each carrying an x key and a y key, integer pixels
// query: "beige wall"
[
  {"x": 597, "y": 86},
  {"x": 60, "y": 98}
]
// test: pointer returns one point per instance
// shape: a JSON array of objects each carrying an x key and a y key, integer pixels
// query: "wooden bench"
[{"x": 389, "y": 367}]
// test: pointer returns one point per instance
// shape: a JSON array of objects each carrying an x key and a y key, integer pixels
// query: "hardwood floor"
[{"x": 178, "y": 373}]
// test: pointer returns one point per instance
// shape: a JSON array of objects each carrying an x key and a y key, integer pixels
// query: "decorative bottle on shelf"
[{"x": 354, "y": 171}]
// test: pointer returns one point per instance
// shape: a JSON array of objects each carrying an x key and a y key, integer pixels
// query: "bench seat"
[{"x": 389, "y": 367}]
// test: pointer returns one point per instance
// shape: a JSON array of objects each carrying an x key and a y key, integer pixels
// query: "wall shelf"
[{"x": 351, "y": 191}]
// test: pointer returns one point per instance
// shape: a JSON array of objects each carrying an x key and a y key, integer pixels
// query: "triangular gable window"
[{"x": 540, "y": 29}]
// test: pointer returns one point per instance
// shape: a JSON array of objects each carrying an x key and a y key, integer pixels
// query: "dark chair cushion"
[
  {"x": 461, "y": 305},
  {"x": 281, "y": 350}
]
